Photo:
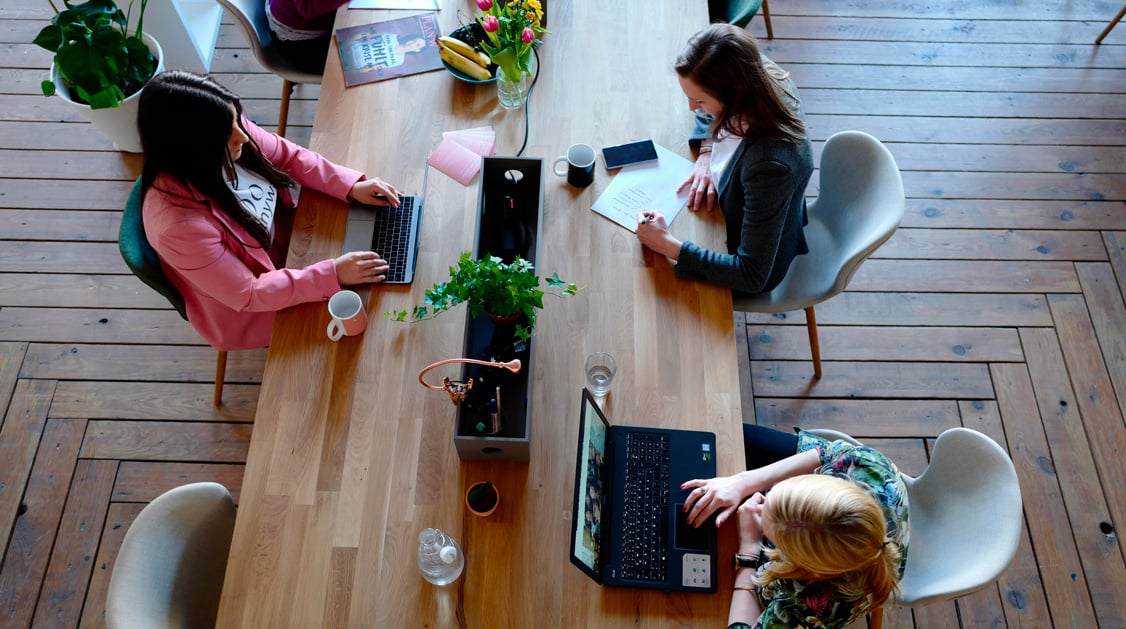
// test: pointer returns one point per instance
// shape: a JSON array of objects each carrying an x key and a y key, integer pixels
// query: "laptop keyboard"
[
  {"x": 645, "y": 539},
  {"x": 392, "y": 239}
]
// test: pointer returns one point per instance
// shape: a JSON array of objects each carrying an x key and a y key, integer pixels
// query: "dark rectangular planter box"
[{"x": 508, "y": 224}]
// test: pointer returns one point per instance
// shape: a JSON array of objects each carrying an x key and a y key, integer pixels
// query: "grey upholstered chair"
[
  {"x": 251, "y": 16},
  {"x": 965, "y": 512},
  {"x": 858, "y": 207},
  {"x": 169, "y": 571}
]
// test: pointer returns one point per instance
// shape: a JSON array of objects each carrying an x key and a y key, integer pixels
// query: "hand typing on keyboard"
[
  {"x": 374, "y": 191},
  {"x": 360, "y": 267}
]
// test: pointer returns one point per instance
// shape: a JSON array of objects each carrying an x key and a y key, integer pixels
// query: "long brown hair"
[
  {"x": 827, "y": 528},
  {"x": 724, "y": 61},
  {"x": 185, "y": 122}
]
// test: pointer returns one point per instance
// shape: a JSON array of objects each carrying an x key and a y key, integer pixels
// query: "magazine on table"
[{"x": 384, "y": 50}]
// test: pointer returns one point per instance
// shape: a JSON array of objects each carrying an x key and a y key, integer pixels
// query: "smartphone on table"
[{"x": 629, "y": 153}]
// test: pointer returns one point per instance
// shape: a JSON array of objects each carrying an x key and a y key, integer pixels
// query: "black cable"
[{"x": 528, "y": 98}]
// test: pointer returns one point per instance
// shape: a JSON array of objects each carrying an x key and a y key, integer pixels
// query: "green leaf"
[
  {"x": 50, "y": 38},
  {"x": 48, "y": 87}
]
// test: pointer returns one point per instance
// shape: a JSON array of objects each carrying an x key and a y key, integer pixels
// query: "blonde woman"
[{"x": 825, "y": 543}]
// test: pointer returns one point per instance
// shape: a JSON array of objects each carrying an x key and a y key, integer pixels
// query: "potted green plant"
[
  {"x": 482, "y": 498},
  {"x": 509, "y": 293},
  {"x": 101, "y": 64}
]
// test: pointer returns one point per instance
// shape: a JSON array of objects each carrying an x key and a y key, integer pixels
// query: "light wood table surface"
[{"x": 351, "y": 458}]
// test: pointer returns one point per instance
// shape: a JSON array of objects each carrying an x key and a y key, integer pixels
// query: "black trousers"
[
  {"x": 307, "y": 55},
  {"x": 763, "y": 446}
]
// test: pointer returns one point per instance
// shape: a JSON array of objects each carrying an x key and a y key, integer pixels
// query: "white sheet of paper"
[
  {"x": 417, "y": 5},
  {"x": 649, "y": 186}
]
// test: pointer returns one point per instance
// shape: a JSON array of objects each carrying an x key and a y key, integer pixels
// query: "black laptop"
[{"x": 628, "y": 525}]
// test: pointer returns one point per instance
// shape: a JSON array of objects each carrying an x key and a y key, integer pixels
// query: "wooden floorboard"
[{"x": 998, "y": 305}]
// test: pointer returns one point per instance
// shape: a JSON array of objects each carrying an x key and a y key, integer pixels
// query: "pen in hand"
[{"x": 648, "y": 218}]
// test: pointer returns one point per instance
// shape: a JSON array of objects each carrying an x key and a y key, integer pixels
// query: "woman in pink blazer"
[{"x": 217, "y": 210}]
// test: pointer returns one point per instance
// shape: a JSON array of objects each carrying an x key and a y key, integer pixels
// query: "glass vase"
[{"x": 512, "y": 92}]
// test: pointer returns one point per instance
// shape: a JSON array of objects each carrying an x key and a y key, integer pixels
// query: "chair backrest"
[
  {"x": 139, "y": 255},
  {"x": 859, "y": 206},
  {"x": 737, "y": 12},
  {"x": 251, "y": 16},
  {"x": 966, "y": 519},
  {"x": 169, "y": 571},
  {"x": 965, "y": 516}
]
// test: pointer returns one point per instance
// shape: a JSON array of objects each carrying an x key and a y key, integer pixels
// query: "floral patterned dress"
[{"x": 818, "y": 604}]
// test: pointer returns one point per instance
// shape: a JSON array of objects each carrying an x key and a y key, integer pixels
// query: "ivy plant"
[{"x": 491, "y": 286}]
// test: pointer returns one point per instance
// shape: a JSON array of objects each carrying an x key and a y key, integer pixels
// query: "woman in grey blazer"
[{"x": 754, "y": 158}]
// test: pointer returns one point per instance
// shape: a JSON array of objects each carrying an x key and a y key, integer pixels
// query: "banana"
[
  {"x": 465, "y": 50},
  {"x": 464, "y": 65}
]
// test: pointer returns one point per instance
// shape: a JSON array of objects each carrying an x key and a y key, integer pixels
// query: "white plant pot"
[{"x": 119, "y": 124}]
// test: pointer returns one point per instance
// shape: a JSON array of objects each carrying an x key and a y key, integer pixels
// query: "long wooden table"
[{"x": 351, "y": 458}]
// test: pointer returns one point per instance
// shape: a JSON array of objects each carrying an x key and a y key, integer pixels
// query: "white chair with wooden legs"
[
  {"x": 169, "y": 571},
  {"x": 1110, "y": 27},
  {"x": 965, "y": 512},
  {"x": 859, "y": 206},
  {"x": 251, "y": 16}
]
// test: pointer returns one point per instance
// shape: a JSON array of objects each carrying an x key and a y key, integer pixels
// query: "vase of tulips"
[{"x": 512, "y": 29}]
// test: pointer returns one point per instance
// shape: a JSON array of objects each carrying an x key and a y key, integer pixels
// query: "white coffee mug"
[{"x": 348, "y": 315}]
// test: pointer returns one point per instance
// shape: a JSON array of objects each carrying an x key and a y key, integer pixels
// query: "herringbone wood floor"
[{"x": 998, "y": 305}]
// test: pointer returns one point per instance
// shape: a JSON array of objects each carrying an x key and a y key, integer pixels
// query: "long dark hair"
[
  {"x": 724, "y": 61},
  {"x": 185, "y": 123}
]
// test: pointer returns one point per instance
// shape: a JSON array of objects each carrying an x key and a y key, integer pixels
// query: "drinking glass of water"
[{"x": 600, "y": 370}]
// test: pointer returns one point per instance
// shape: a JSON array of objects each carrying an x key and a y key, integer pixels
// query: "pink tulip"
[
  {"x": 490, "y": 23},
  {"x": 484, "y": 5},
  {"x": 528, "y": 36}
]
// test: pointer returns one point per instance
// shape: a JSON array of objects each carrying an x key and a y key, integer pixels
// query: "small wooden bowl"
[{"x": 483, "y": 514}]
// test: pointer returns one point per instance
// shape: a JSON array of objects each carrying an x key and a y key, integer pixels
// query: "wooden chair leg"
[
  {"x": 220, "y": 375},
  {"x": 283, "y": 114},
  {"x": 876, "y": 618},
  {"x": 1109, "y": 27},
  {"x": 814, "y": 347},
  {"x": 766, "y": 18}
]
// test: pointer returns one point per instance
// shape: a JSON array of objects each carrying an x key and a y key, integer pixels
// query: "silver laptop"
[{"x": 392, "y": 232}]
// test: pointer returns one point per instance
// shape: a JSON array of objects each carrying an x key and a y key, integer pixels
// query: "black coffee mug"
[{"x": 580, "y": 165}]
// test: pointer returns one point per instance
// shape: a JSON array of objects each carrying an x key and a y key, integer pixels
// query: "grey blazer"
[{"x": 762, "y": 195}]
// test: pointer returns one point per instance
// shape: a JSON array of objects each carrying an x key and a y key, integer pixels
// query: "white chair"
[
  {"x": 859, "y": 206},
  {"x": 965, "y": 512},
  {"x": 169, "y": 571},
  {"x": 251, "y": 16}
]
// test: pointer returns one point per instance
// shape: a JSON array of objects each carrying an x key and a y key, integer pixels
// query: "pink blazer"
[{"x": 231, "y": 287}]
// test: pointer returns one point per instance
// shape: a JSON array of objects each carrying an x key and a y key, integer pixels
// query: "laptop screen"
[{"x": 586, "y": 527}]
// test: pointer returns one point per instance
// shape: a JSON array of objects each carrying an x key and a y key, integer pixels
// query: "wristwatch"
[{"x": 747, "y": 561}]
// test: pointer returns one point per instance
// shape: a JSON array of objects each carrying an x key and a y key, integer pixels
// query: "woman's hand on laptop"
[
  {"x": 360, "y": 267},
  {"x": 374, "y": 191},
  {"x": 723, "y": 494}
]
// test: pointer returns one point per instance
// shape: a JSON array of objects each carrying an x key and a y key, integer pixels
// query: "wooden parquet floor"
[{"x": 998, "y": 305}]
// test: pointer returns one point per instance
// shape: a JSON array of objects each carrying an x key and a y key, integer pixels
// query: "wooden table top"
[{"x": 350, "y": 458}]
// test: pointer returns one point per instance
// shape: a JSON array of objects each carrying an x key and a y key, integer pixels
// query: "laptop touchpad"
[{"x": 688, "y": 537}]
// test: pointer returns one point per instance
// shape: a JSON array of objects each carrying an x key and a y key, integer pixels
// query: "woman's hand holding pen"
[
  {"x": 653, "y": 232},
  {"x": 374, "y": 191}
]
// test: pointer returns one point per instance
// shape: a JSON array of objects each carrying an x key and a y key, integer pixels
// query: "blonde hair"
[{"x": 828, "y": 529}]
